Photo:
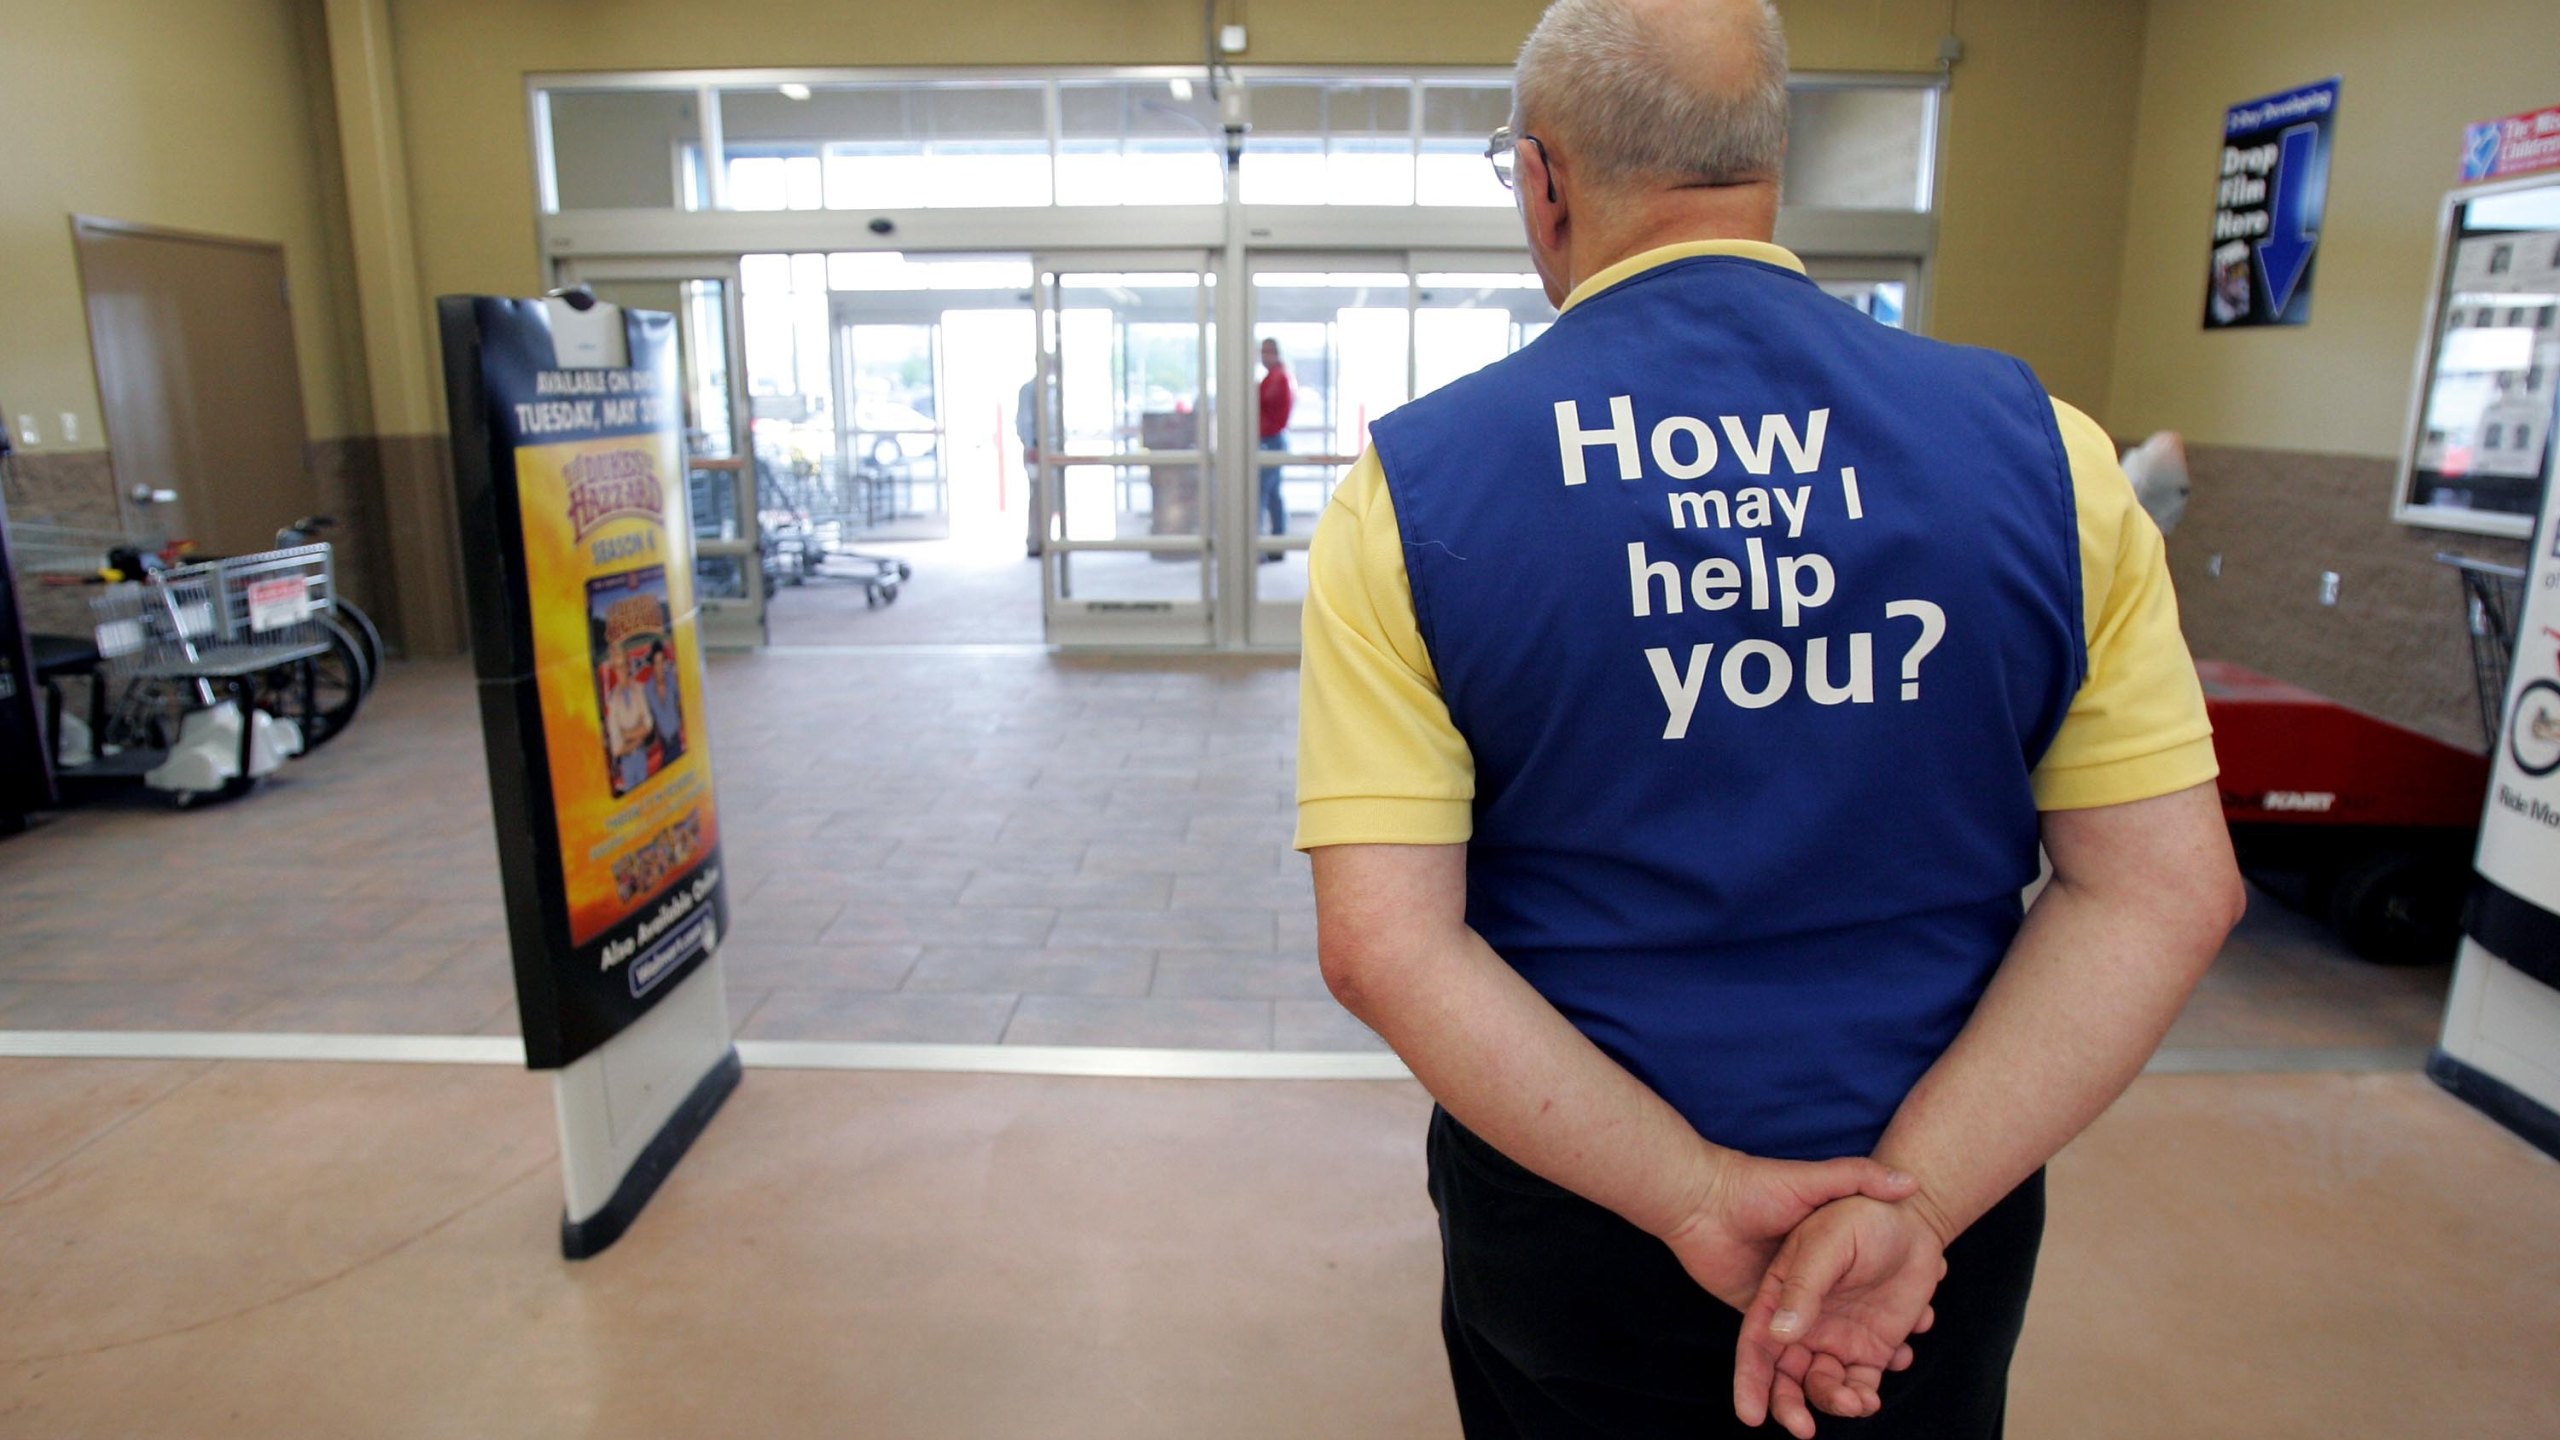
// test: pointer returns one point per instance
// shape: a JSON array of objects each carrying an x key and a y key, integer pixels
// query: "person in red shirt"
[{"x": 1279, "y": 395}]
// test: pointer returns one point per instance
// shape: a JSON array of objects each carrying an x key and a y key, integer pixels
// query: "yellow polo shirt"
[{"x": 1379, "y": 762}]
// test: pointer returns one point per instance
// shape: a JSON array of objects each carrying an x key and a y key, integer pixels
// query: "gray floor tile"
[
  {"x": 1295, "y": 930},
  {"x": 1033, "y": 972},
  {"x": 847, "y": 1015},
  {"x": 1215, "y": 889},
  {"x": 129, "y": 1005},
  {"x": 1125, "y": 857},
  {"x": 1070, "y": 892},
  {"x": 1149, "y": 1021},
  {"x": 969, "y": 859},
  {"x": 451, "y": 1007},
  {"x": 866, "y": 887},
  {"x": 1319, "y": 1025},
  {"x": 992, "y": 925},
  {"x": 1165, "y": 929},
  {"x": 1080, "y": 827},
  {"x": 763, "y": 965},
  {"x": 1239, "y": 975},
  {"x": 782, "y": 923}
]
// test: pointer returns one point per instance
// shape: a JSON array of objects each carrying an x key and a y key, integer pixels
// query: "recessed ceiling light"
[{"x": 795, "y": 91}]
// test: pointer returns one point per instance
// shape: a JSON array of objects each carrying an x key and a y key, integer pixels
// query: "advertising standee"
[
  {"x": 2501, "y": 1047},
  {"x": 586, "y": 638}
]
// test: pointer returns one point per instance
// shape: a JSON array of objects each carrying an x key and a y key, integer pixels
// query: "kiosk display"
[
  {"x": 569, "y": 467},
  {"x": 2488, "y": 384}
]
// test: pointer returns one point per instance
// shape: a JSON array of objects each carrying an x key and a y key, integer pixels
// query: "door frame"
[{"x": 1070, "y": 622}]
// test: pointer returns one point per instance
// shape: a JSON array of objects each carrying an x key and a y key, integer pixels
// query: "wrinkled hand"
[
  {"x": 1751, "y": 1205},
  {"x": 1845, "y": 1293}
]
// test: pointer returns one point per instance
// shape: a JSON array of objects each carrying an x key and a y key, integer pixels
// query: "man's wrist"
[
  {"x": 1933, "y": 1213},
  {"x": 1696, "y": 1197}
]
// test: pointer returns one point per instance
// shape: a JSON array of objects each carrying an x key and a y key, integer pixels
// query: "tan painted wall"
[
  {"x": 2296, "y": 432},
  {"x": 2413, "y": 75},
  {"x": 2038, "y": 128},
  {"x": 194, "y": 114}
]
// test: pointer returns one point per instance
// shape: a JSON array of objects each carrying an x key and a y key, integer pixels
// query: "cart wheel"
[
  {"x": 368, "y": 638},
  {"x": 889, "y": 593},
  {"x": 906, "y": 571},
  {"x": 2399, "y": 907},
  {"x": 340, "y": 679},
  {"x": 231, "y": 789}
]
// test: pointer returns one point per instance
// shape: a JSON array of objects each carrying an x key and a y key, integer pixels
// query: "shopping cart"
[
  {"x": 2492, "y": 602},
  {"x": 214, "y": 672}
]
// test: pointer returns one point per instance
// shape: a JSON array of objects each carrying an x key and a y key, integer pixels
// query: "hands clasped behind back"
[{"x": 1831, "y": 1245}]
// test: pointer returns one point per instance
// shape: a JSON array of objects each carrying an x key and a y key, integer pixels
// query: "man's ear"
[{"x": 1547, "y": 218}]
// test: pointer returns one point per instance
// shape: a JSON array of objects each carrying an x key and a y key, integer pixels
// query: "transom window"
[{"x": 1134, "y": 138}]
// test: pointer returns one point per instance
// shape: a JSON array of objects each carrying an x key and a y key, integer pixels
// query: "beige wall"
[
  {"x": 2031, "y": 202},
  {"x": 2038, "y": 128},
  {"x": 2413, "y": 75},
  {"x": 2296, "y": 431},
  {"x": 194, "y": 114}
]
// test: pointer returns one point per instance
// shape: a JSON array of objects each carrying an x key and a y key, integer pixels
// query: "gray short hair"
[{"x": 1593, "y": 71}]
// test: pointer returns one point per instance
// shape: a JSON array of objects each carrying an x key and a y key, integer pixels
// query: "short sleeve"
[
  {"x": 2137, "y": 729},
  {"x": 1379, "y": 761}
]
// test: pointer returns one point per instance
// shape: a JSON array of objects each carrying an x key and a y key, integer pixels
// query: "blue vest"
[{"x": 1756, "y": 615}]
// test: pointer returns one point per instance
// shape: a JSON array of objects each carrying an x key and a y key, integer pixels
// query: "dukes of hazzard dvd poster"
[{"x": 588, "y": 645}]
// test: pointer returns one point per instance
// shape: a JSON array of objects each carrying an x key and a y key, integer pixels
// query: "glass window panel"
[
  {"x": 1881, "y": 300},
  {"x": 1464, "y": 112},
  {"x": 1859, "y": 149},
  {"x": 1467, "y": 320},
  {"x": 876, "y": 178},
  {"x": 980, "y": 111},
  {"x": 620, "y": 149},
  {"x": 1330, "y": 143},
  {"x": 1148, "y": 142},
  {"x": 1343, "y": 336},
  {"x": 1276, "y": 172},
  {"x": 790, "y": 387},
  {"x": 720, "y": 577},
  {"x": 773, "y": 181},
  {"x": 1171, "y": 577},
  {"x": 1456, "y": 173},
  {"x": 1091, "y": 172},
  {"x": 987, "y": 174},
  {"x": 1370, "y": 172}
]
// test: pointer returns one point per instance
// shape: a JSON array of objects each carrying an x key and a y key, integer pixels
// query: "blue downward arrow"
[{"x": 2286, "y": 252}]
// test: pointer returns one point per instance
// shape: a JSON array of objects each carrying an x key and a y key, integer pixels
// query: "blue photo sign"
[{"x": 2270, "y": 192}]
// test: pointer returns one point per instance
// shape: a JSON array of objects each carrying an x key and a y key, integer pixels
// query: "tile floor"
[
  {"x": 972, "y": 848},
  {"x": 971, "y": 1257}
]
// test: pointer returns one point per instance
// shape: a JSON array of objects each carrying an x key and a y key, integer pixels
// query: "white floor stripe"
[
  {"x": 227, "y": 1045},
  {"x": 1077, "y": 1060},
  {"x": 1091, "y": 1060},
  {"x": 1096, "y": 1060},
  {"x": 981, "y": 648}
]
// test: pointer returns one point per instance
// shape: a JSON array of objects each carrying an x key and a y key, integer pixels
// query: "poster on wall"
[
  {"x": 586, "y": 637},
  {"x": 2489, "y": 382},
  {"x": 2517, "y": 145},
  {"x": 2271, "y": 190}
]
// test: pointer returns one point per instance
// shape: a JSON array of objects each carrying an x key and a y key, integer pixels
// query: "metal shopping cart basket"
[
  {"x": 2492, "y": 602},
  {"x": 213, "y": 668}
]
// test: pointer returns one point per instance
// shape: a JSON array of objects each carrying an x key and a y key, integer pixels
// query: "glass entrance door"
[
  {"x": 729, "y": 573},
  {"x": 1125, "y": 448},
  {"x": 1352, "y": 337}
]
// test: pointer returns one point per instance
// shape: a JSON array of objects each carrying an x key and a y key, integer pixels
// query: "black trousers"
[{"x": 1565, "y": 1322}]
